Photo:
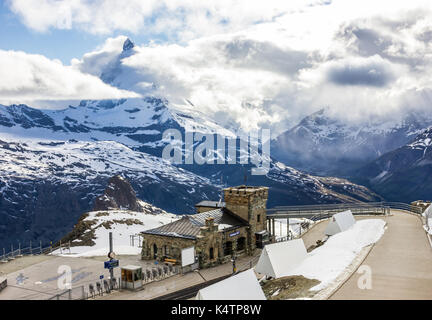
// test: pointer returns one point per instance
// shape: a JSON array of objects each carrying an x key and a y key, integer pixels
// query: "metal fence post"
[
  {"x": 12, "y": 251},
  {"x": 40, "y": 244},
  {"x": 31, "y": 250},
  {"x": 19, "y": 248}
]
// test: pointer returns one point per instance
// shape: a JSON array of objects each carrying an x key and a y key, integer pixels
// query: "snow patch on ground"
[
  {"x": 122, "y": 224},
  {"x": 327, "y": 262},
  {"x": 295, "y": 227}
]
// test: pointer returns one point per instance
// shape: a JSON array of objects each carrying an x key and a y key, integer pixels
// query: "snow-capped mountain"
[
  {"x": 54, "y": 163},
  {"x": 45, "y": 185},
  {"x": 404, "y": 174},
  {"x": 137, "y": 123},
  {"x": 111, "y": 121},
  {"x": 323, "y": 144}
]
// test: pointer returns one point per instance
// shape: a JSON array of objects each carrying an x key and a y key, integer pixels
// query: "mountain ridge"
[{"x": 324, "y": 144}]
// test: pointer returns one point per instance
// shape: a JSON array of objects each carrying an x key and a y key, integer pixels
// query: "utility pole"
[
  {"x": 111, "y": 258},
  {"x": 234, "y": 263}
]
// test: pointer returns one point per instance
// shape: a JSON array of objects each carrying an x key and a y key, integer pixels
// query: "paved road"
[{"x": 401, "y": 264}]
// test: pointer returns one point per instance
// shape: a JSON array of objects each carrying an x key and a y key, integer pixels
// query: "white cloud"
[
  {"x": 258, "y": 62},
  {"x": 28, "y": 77},
  {"x": 185, "y": 19}
]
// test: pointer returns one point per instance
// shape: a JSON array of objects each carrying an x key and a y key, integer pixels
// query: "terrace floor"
[{"x": 400, "y": 264}]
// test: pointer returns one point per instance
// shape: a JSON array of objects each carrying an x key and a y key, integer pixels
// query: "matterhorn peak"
[{"x": 128, "y": 45}]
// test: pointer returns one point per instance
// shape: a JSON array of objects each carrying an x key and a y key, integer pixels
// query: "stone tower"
[{"x": 249, "y": 203}]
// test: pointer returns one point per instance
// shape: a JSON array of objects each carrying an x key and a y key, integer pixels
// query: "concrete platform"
[
  {"x": 178, "y": 282},
  {"x": 401, "y": 264},
  {"x": 37, "y": 278}
]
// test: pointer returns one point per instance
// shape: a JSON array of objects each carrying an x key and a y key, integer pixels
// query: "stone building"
[
  {"x": 218, "y": 230},
  {"x": 423, "y": 205}
]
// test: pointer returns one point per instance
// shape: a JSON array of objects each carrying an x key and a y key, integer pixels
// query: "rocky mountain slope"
[
  {"x": 46, "y": 185},
  {"x": 119, "y": 195},
  {"x": 404, "y": 174},
  {"x": 326, "y": 145}
]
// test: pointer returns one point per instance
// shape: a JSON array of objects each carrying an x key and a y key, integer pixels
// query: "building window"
[
  {"x": 259, "y": 218},
  {"x": 167, "y": 250},
  {"x": 228, "y": 248},
  {"x": 241, "y": 243},
  {"x": 155, "y": 250}
]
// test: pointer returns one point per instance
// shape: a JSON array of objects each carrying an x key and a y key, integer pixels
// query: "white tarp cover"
[
  {"x": 341, "y": 221},
  {"x": 428, "y": 215},
  {"x": 428, "y": 212},
  {"x": 242, "y": 286},
  {"x": 188, "y": 256},
  {"x": 278, "y": 259}
]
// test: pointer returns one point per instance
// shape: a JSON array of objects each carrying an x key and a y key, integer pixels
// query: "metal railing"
[
  {"x": 317, "y": 212},
  {"x": 248, "y": 265},
  {"x": 77, "y": 293},
  {"x": 30, "y": 251},
  {"x": 320, "y": 212}
]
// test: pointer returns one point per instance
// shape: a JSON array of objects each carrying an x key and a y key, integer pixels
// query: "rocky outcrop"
[{"x": 118, "y": 195}]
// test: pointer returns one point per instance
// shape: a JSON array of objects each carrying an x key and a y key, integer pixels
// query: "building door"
[
  {"x": 155, "y": 250},
  {"x": 211, "y": 253},
  {"x": 228, "y": 248}
]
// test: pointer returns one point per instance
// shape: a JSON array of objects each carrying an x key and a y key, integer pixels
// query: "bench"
[{"x": 170, "y": 261}]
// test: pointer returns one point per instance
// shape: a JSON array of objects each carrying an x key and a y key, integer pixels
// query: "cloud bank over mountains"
[
  {"x": 259, "y": 64},
  {"x": 29, "y": 77}
]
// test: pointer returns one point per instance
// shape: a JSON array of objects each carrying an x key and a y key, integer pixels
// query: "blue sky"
[{"x": 55, "y": 43}]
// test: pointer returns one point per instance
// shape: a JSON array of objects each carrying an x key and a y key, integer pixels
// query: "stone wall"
[
  {"x": 209, "y": 245},
  {"x": 173, "y": 244},
  {"x": 250, "y": 204},
  {"x": 201, "y": 209},
  {"x": 213, "y": 246},
  {"x": 423, "y": 205}
]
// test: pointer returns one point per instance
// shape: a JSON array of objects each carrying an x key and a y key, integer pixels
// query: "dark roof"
[
  {"x": 189, "y": 226},
  {"x": 210, "y": 204}
]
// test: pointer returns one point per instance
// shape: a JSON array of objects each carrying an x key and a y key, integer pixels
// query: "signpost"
[
  {"x": 233, "y": 260},
  {"x": 234, "y": 234},
  {"x": 112, "y": 263}
]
